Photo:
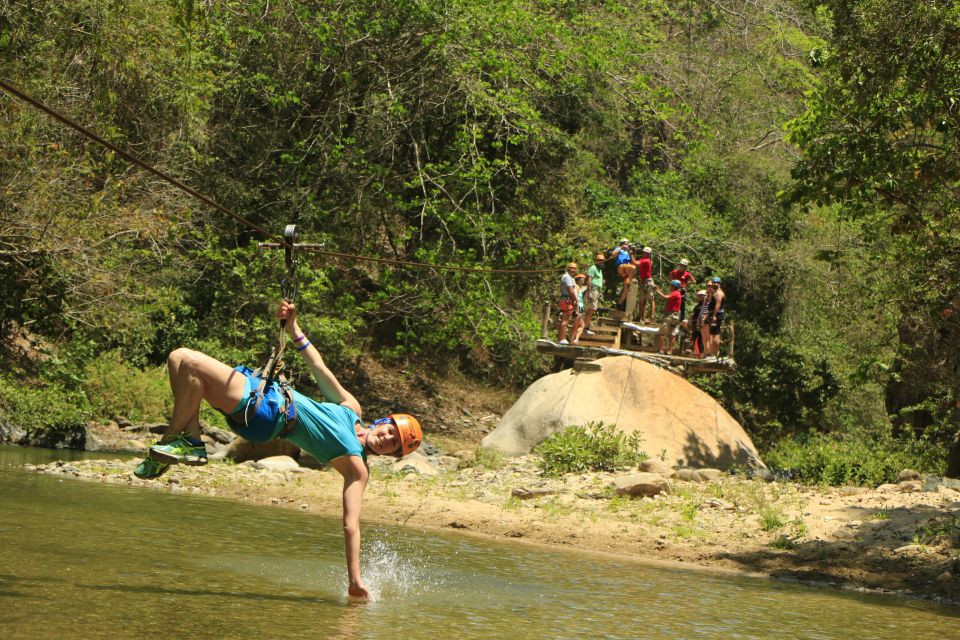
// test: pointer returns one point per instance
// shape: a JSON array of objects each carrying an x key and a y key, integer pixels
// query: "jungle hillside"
[{"x": 806, "y": 152}]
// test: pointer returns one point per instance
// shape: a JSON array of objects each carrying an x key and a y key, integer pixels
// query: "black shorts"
[{"x": 715, "y": 325}]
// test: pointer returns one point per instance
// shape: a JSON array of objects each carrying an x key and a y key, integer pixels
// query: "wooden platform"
[
  {"x": 682, "y": 365},
  {"x": 616, "y": 335}
]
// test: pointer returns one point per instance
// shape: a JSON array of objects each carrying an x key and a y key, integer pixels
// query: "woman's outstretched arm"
[{"x": 331, "y": 388}]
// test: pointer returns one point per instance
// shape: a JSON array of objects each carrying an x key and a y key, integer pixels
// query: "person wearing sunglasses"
[{"x": 260, "y": 411}]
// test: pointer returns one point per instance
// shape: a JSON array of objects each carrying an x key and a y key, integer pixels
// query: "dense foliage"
[
  {"x": 491, "y": 133},
  {"x": 881, "y": 142},
  {"x": 850, "y": 459},
  {"x": 594, "y": 446}
]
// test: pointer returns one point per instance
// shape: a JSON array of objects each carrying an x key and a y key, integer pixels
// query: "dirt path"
[{"x": 886, "y": 540}]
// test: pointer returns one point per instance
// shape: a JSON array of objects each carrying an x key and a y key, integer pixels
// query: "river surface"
[{"x": 86, "y": 560}]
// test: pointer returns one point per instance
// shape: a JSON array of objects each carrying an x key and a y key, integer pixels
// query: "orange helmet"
[{"x": 410, "y": 434}]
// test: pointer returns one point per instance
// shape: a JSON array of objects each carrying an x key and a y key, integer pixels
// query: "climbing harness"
[{"x": 271, "y": 371}]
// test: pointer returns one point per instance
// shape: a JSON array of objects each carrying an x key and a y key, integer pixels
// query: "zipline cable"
[
  {"x": 53, "y": 113},
  {"x": 318, "y": 248},
  {"x": 132, "y": 158}
]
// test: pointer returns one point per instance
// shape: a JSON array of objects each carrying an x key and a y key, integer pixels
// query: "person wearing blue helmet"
[
  {"x": 671, "y": 316},
  {"x": 682, "y": 273}
]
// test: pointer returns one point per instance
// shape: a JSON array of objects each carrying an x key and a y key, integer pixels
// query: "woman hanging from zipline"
[{"x": 262, "y": 411}]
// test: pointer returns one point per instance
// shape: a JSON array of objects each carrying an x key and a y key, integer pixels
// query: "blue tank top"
[
  {"x": 325, "y": 430},
  {"x": 623, "y": 257}
]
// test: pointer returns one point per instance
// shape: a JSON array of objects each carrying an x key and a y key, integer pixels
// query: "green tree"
[{"x": 881, "y": 140}]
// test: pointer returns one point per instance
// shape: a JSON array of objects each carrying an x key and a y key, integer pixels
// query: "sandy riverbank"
[{"x": 888, "y": 540}]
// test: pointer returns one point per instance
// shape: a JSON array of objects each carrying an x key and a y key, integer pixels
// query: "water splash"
[{"x": 392, "y": 574}]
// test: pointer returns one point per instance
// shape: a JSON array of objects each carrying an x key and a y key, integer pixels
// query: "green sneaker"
[
  {"x": 150, "y": 468},
  {"x": 179, "y": 450}
]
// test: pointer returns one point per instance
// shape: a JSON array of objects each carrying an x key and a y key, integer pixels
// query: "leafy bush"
[
  {"x": 52, "y": 407},
  {"x": 594, "y": 446},
  {"x": 114, "y": 389},
  {"x": 857, "y": 458},
  {"x": 771, "y": 519},
  {"x": 939, "y": 531}
]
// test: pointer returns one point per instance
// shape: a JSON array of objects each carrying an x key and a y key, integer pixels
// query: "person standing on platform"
[
  {"x": 693, "y": 323},
  {"x": 581, "y": 280},
  {"x": 696, "y": 320},
  {"x": 704, "y": 321},
  {"x": 715, "y": 314},
  {"x": 671, "y": 315},
  {"x": 625, "y": 268},
  {"x": 645, "y": 295},
  {"x": 568, "y": 300},
  {"x": 685, "y": 277},
  {"x": 594, "y": 291}
]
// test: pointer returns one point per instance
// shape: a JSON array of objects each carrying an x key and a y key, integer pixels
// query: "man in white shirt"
[{"x": 568, "y": 300}]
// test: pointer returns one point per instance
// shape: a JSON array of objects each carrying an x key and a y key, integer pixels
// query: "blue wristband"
[{"x": 303, "y": 346}]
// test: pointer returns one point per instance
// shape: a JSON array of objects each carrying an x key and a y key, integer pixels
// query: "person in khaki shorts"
[
  {"x": 645, "y": 295},
  {"x": 671, "y": 315},
  {"x": 594, "y": 291}
]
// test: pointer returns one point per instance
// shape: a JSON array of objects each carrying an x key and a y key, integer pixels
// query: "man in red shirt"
[
  {"x": 647, "y": 287},
  {"x": 685, "y": 278},
  {"x": 671, "y": 317},
  {"x": 681, "y": 274}
]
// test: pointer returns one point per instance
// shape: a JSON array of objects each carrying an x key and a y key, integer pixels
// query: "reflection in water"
[
  {"x": 85, "y": 560},
  {"x": 348, "y": 624},
  {"x": 259, "y": 596}
]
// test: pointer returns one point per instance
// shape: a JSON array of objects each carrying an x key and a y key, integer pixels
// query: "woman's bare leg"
[
  {"x": 195, "y": 377},
  {"x": 173, "y": 371},
  {"x": 588, "y": 319},
  {"x": 715, "y": 346},
  {"x": 577, "y": 330}
]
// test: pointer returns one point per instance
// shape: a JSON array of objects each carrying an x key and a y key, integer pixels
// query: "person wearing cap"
[
  {"x": 594, "y": 291},
  {"x": 623, "y": 255},
  {"x": 671, "y": 315},
  {"x": 685, "y": 277},
  {"x": 568, "y": 301},
  {"x": 645, "y": 296},
  {"x": 715, "y": 313},
  {"x": 262, "y": 411}
]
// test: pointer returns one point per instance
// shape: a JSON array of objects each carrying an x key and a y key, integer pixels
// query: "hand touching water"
[{"x": 357, "y": 591}]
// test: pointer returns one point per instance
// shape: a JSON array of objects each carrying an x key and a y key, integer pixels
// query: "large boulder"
[
  {"x": 277, "y": 463},
  {"x": 675, "y": 419},
  {"x": 241, "y": 450}
]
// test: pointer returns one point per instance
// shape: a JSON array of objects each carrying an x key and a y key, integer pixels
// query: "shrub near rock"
[
  {"x": 52, "y": 416},
  {"x": 594, "y": 446}
]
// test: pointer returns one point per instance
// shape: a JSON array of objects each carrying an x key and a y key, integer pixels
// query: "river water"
[{"x": 88, "y": 560}]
